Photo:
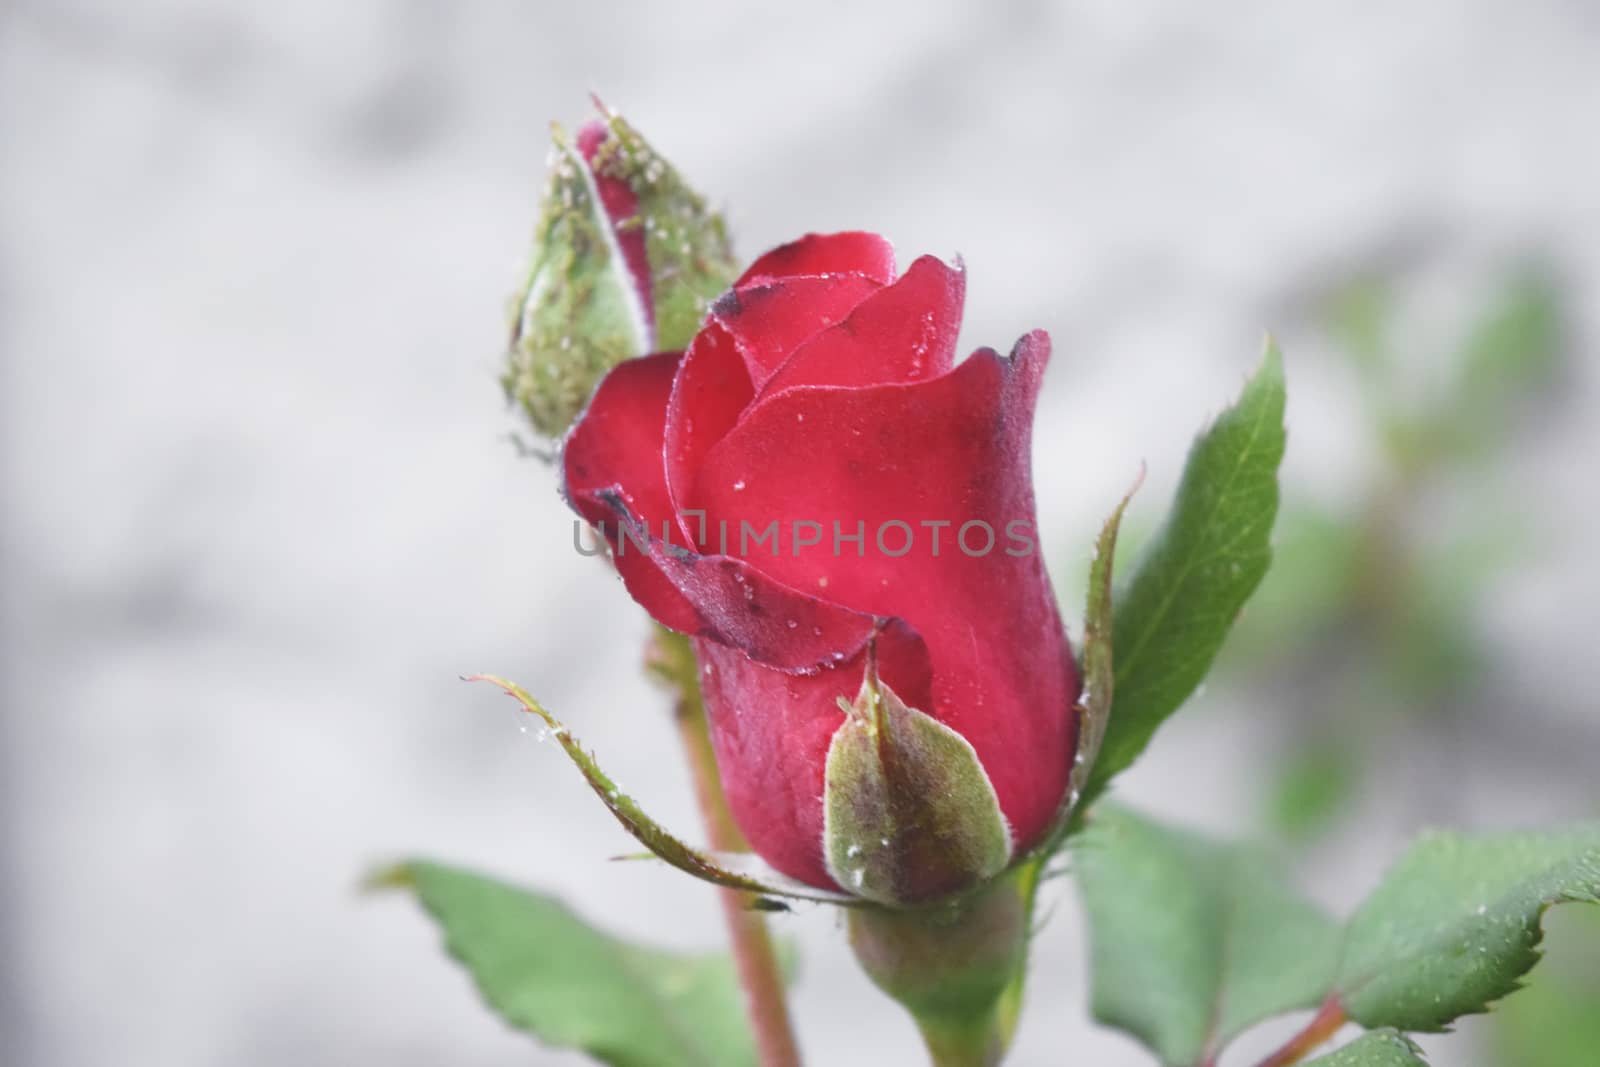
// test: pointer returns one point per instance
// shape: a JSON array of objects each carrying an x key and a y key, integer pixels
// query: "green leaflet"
[
  {"x": 1194, "y": 940},
  {"x": 1456, "y": 923},
  {"x": 546, "y": 971},
  {"x": 1197, "y": 572}
]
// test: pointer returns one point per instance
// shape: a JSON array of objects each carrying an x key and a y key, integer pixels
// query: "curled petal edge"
[{"x": 721, "y": 591}]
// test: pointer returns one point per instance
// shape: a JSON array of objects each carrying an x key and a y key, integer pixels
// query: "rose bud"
[
  {"x": 842, "y": 517},
  {"x": 625, "y": 259}
]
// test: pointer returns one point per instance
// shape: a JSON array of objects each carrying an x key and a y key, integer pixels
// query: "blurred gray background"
[{"x": 260, "y": 509}]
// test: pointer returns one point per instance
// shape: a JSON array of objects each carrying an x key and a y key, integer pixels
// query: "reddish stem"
[
  {"x": 1322, "y": 1026},
  {"x": 756, "y": 960}
]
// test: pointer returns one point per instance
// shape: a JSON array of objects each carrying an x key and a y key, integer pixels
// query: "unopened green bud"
[{"x": 626, "y": 258}]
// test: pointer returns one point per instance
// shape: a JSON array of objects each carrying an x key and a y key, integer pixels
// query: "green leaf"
[
  {"x": 1194, "y": 940},
  {"x": 1381, "y": 1048},
  {"x": 547, "y": 972},
  {"x": 1456, "y": 923},
  {"x": 1198, "y": 571}
]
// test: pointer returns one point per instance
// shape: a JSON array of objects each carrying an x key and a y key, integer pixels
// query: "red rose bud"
[
  {"x": 625, "y": 259},
  {"x": 836, "y": 510}
]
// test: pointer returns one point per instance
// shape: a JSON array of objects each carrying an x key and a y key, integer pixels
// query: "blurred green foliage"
[
  {"x": 1368, "y": 614},
  {"x": 1368, "y": 618}
]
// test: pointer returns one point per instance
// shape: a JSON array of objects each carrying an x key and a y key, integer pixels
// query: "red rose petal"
[
  {"x": 771, "y": 732},
  {"x": 771, "y": 319},
  {"x": 735, "y": 603},
  {"x": 615, "y": 478},
  {"x": 953, "y": 449},
  {"x": 724, "y": 598},
  {"x": 825, "y": 253},
  {"x": 903, "y": 332},
  {"x": 711, "y": 390},
  {"x": 613, "y": 454}
]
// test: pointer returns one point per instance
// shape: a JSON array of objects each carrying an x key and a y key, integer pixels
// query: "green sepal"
[
  {"x": 1097, "y": 668},
  {"x": 733, "y": 870},
  {"x": 909, "y": 813}
]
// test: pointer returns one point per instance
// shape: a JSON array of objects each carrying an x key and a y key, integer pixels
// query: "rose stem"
[
  {"x": 753, "y": 952},
  {"x": 1323, "y": 1026}
]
